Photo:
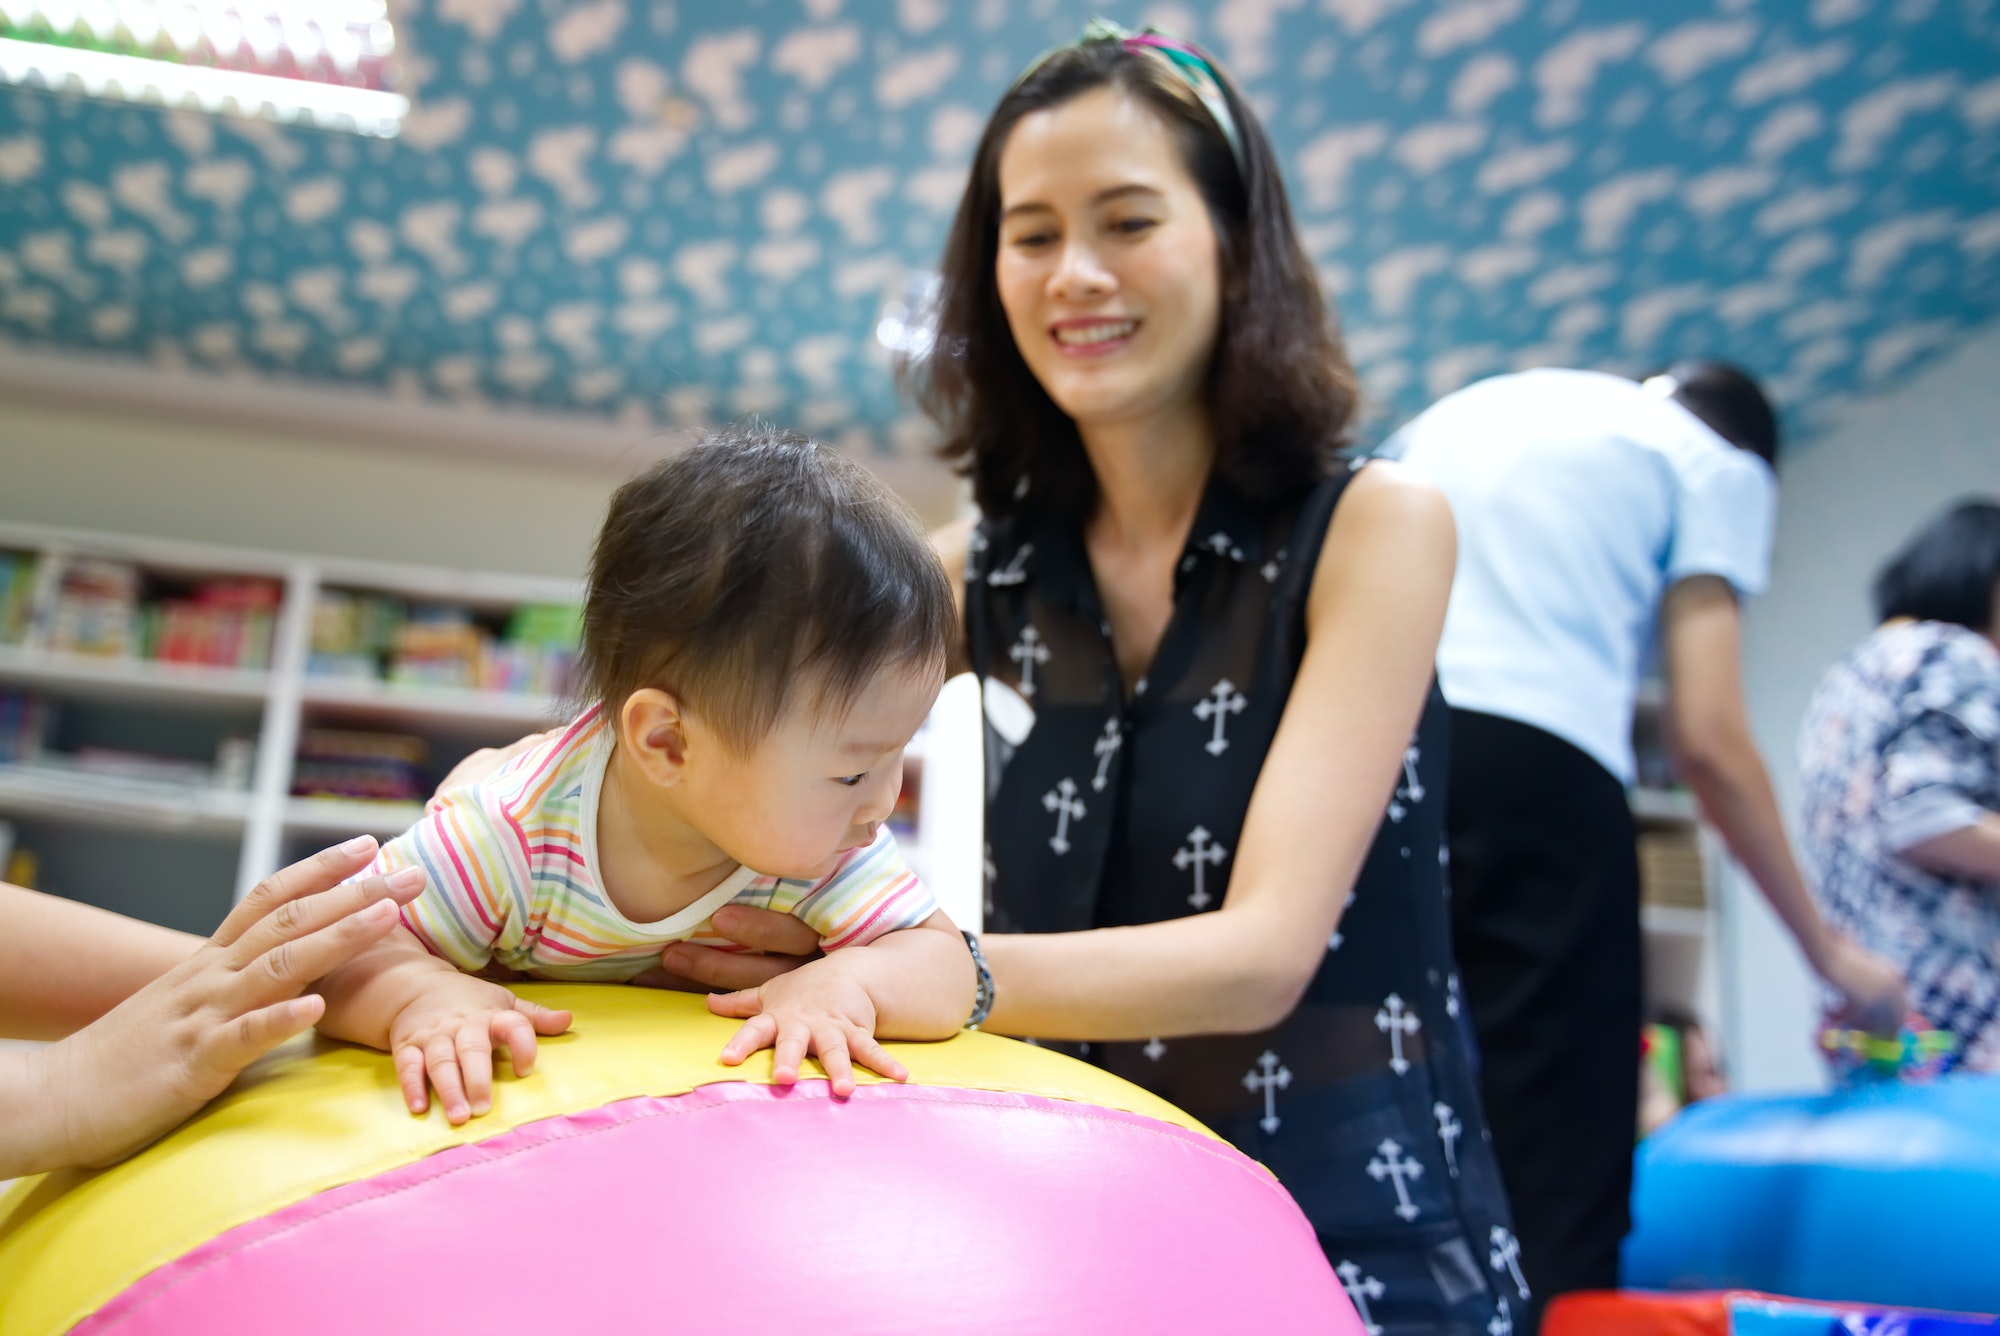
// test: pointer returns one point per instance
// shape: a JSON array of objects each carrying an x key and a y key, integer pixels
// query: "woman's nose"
[{"x": 1079, "y": 274}]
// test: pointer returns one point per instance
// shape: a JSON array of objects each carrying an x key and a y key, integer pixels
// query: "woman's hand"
[
  {"x": 137, "y": 1072},
  {"x": 1874, "y": 997},
  {"x": 786, "y": 943}
]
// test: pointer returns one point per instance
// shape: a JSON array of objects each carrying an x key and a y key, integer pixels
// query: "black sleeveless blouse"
[{"x": 1103, "y": 811}]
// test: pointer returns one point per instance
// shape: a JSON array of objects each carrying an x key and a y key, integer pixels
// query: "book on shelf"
[
  {"x": 376, "y": 767},
  {"x": 102, "y": 608},
  {"x": 361, "y": 636}
]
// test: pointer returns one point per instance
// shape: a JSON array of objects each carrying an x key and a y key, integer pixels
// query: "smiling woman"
[{"x": 1205, "y": 643}]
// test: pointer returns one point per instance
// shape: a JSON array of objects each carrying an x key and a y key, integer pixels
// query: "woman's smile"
[{"x": 1093, "y": 337}]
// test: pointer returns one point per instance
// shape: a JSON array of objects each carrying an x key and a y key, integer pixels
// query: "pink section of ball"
[{"x": 743, "y": 1208}]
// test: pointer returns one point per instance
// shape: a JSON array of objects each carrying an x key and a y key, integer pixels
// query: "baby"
[{"x": 765, "y": 629}]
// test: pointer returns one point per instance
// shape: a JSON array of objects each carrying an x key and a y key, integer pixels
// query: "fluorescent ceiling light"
[{"x": 208, "y": 55}]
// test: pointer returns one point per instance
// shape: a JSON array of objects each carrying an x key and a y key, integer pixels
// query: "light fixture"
[
  {"x": 907, "y": 326},
  {"x": 329, "y": 63}
]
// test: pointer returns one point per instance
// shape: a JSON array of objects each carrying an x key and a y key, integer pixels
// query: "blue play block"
[{"x": 1885, "y": 1194}]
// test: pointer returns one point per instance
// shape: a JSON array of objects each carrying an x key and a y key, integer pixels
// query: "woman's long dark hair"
[{"x": 1281, "y": 394}]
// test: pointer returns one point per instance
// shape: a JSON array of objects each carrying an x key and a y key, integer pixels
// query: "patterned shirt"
[
  {"x": 1901, "y": 744},
  {"x": 513, "y": 877},
  {"x": 1105, "y": 810}
]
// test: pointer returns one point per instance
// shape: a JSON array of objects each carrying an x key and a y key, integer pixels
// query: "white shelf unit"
[{"x": 267, "y": 824}]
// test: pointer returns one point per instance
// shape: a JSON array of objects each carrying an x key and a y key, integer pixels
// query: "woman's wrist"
[{"x": 982, "y": 995}]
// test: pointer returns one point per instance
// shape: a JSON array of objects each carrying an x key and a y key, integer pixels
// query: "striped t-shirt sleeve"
[
  {"x": 872, "y": 892},
  {"x": 476, "y": 876}
]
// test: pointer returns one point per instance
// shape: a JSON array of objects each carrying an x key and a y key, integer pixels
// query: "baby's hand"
[
  {"x": 448, "y": 1032},
  {"x": 818, "y": 1008}
]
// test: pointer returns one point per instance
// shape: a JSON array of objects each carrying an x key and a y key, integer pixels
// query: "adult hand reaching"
[
  {"x": 1874, "y": 996},
  {"x": 138, "y": 1071},
  {"x": 786, "y": 942}
]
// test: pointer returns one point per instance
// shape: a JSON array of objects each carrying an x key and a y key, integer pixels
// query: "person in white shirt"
[{"x": 1592, "y": 511}]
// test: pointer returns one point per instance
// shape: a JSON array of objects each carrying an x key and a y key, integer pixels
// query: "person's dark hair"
[
  {"x": 1731, "y": 402},
  {"x": 1947, "y": 572},
  {"x": 1281, "y": 394},
  {"x": 752, "y": 567}
]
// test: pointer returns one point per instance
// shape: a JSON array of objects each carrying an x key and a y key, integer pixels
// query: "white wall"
[
  {"x": 334, "y": 475},
  {"x": 110, "y": 471},
  {"x": 1847, "y": 499}
]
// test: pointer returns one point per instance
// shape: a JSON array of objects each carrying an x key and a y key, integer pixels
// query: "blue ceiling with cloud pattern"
[{"x": 661, "y": 212}]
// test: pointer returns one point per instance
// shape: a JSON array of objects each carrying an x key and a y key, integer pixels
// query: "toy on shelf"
[
  {"x": 373, "y": 637},
  {"x": 1917, "y": 1053},
  {"x": 101, "y": 608}
]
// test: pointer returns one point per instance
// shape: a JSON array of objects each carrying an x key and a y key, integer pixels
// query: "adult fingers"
[
  {"x": 754, "y": 1034},
  {"x": 741, "y": 1005},
  {"x": 730, "y": 971},
  {"x": 475, "y": 1063},
  {"x": 766, "y": 930},
  {"x": 308, "y": 876},
  {"x": 232, "y": 1047},
  {"x": 295, "y": 919},
  {"x": 876, "y": 1058},
  {"x": 410, "y": 1076},
  {"x": 668, "y": 980},
  {"x": 290, "y": 966},
  {"x": 830, "y": 1045},
  {"x": 545, "y": 1020},
  {"x": 517, "y": 1032},
  {"x": 441, "y": 1065}
]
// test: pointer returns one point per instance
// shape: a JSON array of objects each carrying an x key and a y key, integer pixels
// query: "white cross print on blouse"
[
  {"x": 1016, "y": 569},
  {"x": 1395, "y": 1022},
  {"x": 1223, "y": 700},
  {"x": 1196, "y": 852},
  {"x": 1029, "y": 651},
  {"x": 1409, "y": 789},
  {"x": 1389, "y": 1164},
  {"x": 1449, "y": 1131},
  {"x": 1062, "y": 801},
  {"x": 1362, "y": 1289},
  {"x": 1270, "y": 1077},
  {"x": 1506, "y": 1256},
  {"x": 1104, "y": 749}
]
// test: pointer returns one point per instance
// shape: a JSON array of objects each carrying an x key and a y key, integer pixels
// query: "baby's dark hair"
[{"x": 754, "y": 566}]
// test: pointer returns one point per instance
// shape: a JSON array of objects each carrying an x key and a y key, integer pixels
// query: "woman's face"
[{"x": 1108, "y": 266}]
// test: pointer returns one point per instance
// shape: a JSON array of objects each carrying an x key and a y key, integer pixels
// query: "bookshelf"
[{"x": 165, "y": 789}]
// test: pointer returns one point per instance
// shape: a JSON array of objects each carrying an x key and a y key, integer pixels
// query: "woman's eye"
[
  {"x": 1132, "y": 226},
  {"x": 851, "y": 780},
  {"x": 1030, "y": 240}
]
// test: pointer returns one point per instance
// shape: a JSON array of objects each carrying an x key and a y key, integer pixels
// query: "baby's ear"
[{"x": 653, "y": 730}]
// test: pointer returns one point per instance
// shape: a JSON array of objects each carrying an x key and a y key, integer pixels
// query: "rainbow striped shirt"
[{"x": 511, "y": 863}]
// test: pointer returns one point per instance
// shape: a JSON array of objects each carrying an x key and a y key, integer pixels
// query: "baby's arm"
[{"x": 442, "y": 1025}]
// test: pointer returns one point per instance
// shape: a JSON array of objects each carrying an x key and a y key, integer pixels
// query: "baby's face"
[{"x": 812, "y": 788}]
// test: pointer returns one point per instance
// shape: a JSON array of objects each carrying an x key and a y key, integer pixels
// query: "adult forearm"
[
  {"x": 64, "y": 964},
  {"x": 1210, "y": 974},
  {"x": 1970, "y": 851},
  {"x": 1734, "y": 790}
]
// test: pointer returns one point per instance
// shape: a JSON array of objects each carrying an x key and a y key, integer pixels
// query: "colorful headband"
[{"x": 1187, "y": 60}]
